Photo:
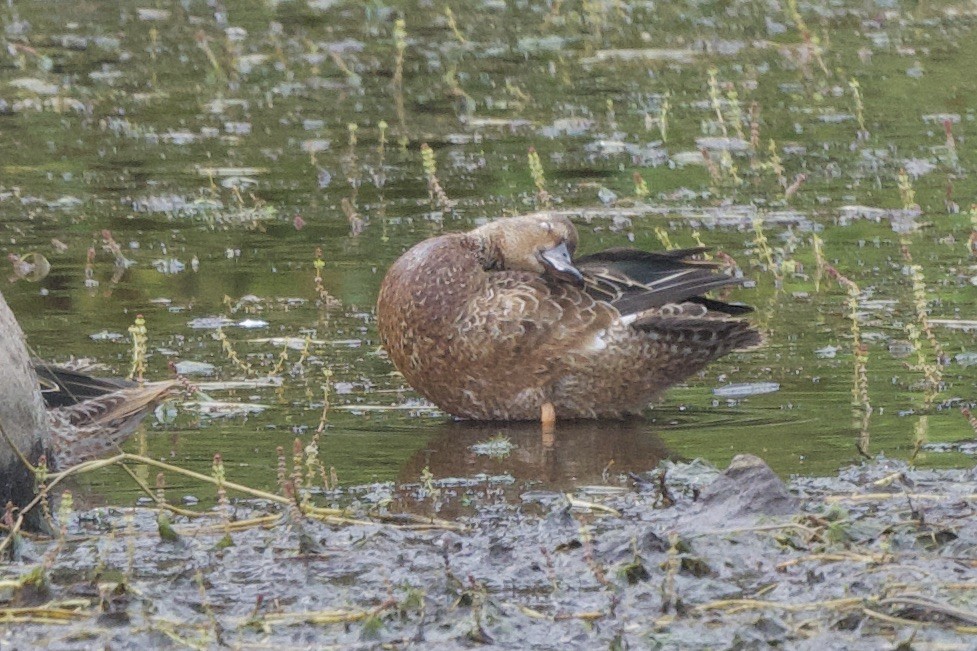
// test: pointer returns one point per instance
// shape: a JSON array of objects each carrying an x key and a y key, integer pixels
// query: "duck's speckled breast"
[
  {"x": 421, "y": 299},
  {"x": 432, "y": 280}
]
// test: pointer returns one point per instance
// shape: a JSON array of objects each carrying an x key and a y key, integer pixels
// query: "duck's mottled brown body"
[
  {"x": 91, "y": 416},
  {"x": 495, "y": 323}
]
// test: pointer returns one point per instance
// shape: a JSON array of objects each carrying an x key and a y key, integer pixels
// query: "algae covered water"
[{"x": 242, "y": 174}]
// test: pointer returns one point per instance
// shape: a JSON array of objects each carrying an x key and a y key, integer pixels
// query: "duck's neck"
[{"x": 487, "y": 255}]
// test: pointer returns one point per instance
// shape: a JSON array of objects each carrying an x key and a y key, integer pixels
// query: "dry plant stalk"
[
  {"x": 323, "y": 514},
  {"x": 861, "y": 405}
]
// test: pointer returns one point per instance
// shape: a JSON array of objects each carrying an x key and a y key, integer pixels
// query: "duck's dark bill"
[{"x": 557, "y": 261}]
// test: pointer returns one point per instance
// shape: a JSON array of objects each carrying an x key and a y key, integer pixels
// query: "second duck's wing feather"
[
  {"x": 64, "y": 387},
  {"x": 114, "y": 408}
]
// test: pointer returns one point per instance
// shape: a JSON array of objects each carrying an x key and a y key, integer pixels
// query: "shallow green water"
[{"x": 224, "y": 138}]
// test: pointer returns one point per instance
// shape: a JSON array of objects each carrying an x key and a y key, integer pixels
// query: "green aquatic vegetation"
[
  {"x": 466, "y": 103},
  {"x": 860, "y": 401},
  {"x": 216, "y": 69},
  {"x": 735, "y": 111},
  {"x": 140, "y": 339},
  {"x": 921, "y": 327},
  {"x": 640, "y": 187},
  {"x": 397, "y": 82},
  {"x": 453, "y": 25},
  {"x": 439, "y": 199},
  {"x": 664, "y": 238},
  {"x": 429, "y": 488},
  {"x": 775, "y": 164},
  {"x": 379, "y": 176},
  {"x": 231, "y": 353},
  {"x": 856, "y": 91},
  {"x": 539, "y": 179},
  {"x": 664, "y": 107},
  {"x": 715, "y": 96},
  {"x": 920, "y": 437},
  {"x": 763, "y": 246}
]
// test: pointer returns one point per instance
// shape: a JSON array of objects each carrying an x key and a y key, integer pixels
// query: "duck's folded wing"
[
  {"x": 523, "y": 317},
  {"x": 94, "y": 427},
  {"x": 117, "y": 408},
  {"x": 634, "y": 281}
]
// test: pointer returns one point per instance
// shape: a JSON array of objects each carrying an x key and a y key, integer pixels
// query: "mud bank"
[{"x": 879, "y": 556}]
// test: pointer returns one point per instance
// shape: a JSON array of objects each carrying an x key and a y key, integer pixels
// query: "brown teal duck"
[
  {"x": 91, "y": 416},
  {"x": 501, "y": 323},
  {"x": 65, "y": 412}
]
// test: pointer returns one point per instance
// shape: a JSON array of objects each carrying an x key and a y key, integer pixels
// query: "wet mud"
[{"x": 683, "y": 557}]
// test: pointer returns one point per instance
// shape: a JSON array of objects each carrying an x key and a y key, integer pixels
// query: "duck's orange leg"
[
  {"x": 547, "y": 419},
  {"x": 548, "y": 414}
]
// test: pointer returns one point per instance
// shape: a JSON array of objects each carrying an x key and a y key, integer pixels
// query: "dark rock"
[
  {"x": 22, "y": 417},
  {"x": 747, "y": 488}
]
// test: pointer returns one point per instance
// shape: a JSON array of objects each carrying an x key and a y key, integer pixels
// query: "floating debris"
[
  {"x": 210, "y": 323},
  {"x": 252, "y": 324},
  {"x": 642, "y": 55},
  {"x": 497, "y": 447},
  {"x": 900, "y": 348},
  {"x": 746, "y": 389},
  {"x": 105, "y": 335},
  {"x": 267, "y": 381},
  {"x": 967, "y": 325},
  {"x": 220, "y": 409},
  {"x": 965, "y": 359},
  {"x": 567, "y": 127},
  {"x": 34, "y": 85},
  {"x": 189, "y": 367},
  {"x": 722, "y": 144},
  {"x": 32, "y": 267},
  {"x": 917, "y": 167},
  {"x": 483, "y": 122},
  {"x": 293, "y": 343},
  {"x": 145, "y": 13},
  {"x": 169, "y": 266},
  {"x": 229, "y": 171},
  {"x": 827, "y": 352}
]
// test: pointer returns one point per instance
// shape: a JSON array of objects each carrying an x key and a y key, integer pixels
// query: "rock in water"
[
  {"x": 746, "y": 489},
  {"x": 22, "y": 414}
]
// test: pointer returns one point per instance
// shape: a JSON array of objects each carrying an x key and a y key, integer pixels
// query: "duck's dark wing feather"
[
  {"x": 64, "y": 387},
  {"x": 634, "y": 281}
]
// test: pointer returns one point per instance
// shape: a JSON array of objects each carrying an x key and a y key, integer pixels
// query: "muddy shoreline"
[{"x": 878, "y": 556}]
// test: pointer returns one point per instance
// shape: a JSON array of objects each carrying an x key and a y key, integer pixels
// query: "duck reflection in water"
[{"x": 584, "y": 452}]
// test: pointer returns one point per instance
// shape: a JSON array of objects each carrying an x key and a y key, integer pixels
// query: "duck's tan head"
[{"x": 543, "y": 244}]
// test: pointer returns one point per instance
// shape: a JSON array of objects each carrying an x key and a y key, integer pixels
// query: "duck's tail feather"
[
  {"x": 706, "y": 337},
  {"x": 62, "y": 386}
]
